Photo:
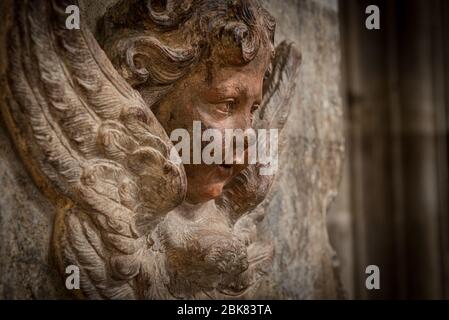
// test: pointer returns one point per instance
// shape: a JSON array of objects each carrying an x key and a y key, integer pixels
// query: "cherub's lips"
[{"x": 225, "y": 170}]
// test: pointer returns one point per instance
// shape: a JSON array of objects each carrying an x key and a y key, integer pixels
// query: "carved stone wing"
[
  {"x": 91, "y": 143},
  {"x": 247, "y": 190}
]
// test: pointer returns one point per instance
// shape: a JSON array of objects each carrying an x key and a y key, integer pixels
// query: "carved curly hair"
[{"x": 157, "y": 42}]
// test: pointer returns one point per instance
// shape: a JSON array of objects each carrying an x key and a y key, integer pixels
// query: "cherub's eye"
[
  {"x": 227, "y": 107},
  {"x": 254, "y": 108},
  {"x": 267, "y": 75},
  {"x": 268, "y": 72}
]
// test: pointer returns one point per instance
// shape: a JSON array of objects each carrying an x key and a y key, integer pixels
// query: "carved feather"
[
  {"x": 279, "y": 88},
  {"x": 94, "y": 139}
]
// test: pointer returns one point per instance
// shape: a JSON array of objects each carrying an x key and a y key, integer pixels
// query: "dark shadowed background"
[{"x": 393, "y": 205}]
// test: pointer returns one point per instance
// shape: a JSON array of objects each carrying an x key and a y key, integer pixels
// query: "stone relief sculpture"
[{"x": 93, "y": 127}]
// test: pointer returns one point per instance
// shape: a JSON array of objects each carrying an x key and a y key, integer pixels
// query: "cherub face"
[{"x": 220, "y": 97}]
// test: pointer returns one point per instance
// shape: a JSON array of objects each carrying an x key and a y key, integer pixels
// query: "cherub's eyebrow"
[{"x": 225, "y": 91}]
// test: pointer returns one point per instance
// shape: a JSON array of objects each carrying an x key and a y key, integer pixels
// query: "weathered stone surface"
[
  {"x": 310, "y": 173},
  {"x": 296, "y": 208}
]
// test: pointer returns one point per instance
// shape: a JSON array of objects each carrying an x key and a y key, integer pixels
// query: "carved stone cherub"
[{"x": 92, "y": 125}]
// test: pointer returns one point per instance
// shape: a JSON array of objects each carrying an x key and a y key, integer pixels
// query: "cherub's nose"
[{"x": 241, "y": 155}]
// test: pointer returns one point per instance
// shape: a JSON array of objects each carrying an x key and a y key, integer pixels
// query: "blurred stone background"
[{"x": 395, "y": 185}]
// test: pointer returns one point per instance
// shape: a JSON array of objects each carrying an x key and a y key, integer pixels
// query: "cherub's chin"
[{"x": 215, "y": 190}]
